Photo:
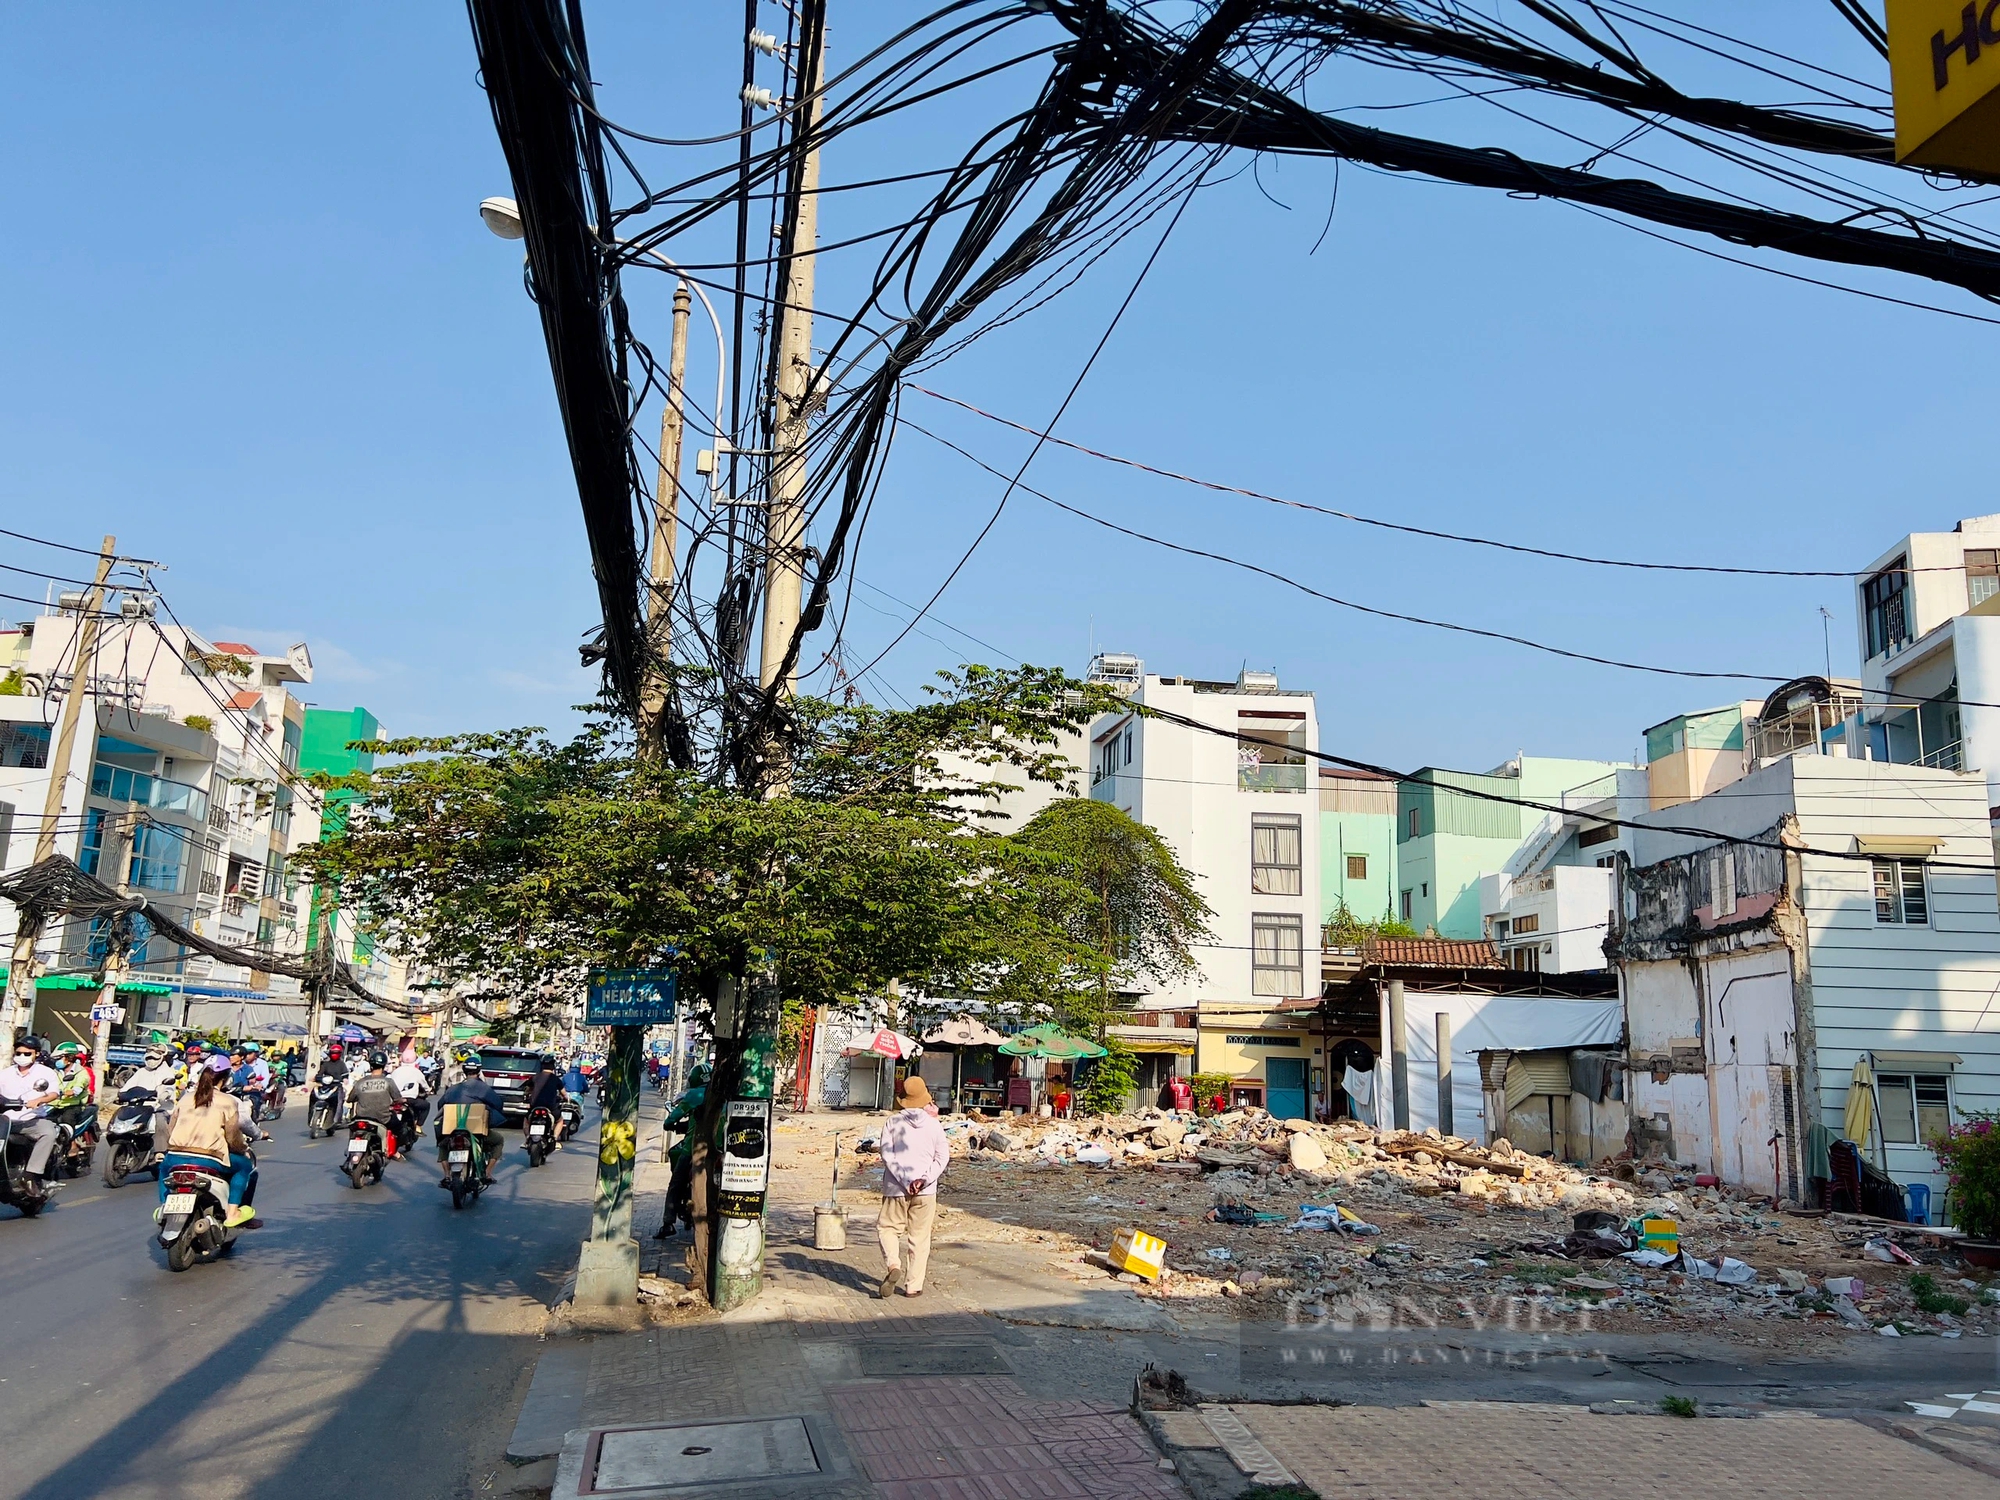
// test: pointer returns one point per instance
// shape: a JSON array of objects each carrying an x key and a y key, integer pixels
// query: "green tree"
[
  {"x": 1112, "y": 1079},
  {"x": 1125, "y": 898}
]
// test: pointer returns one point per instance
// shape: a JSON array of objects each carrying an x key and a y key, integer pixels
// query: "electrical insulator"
[
  {"x": 764, "y": 42},
  {"x": 761, "y": 98}
]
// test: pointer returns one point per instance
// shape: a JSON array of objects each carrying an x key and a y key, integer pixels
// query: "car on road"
[{"x": 510, "y": 1070}]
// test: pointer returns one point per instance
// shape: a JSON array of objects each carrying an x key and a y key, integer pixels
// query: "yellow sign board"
[{"x": 1944, "y": 60}]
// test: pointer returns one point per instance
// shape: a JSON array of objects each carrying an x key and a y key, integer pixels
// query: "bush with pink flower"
[{"x": 1969, "y": 1154}]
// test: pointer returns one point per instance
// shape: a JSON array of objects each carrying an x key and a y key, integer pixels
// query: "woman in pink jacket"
[{"x": 915, "y": 1154}]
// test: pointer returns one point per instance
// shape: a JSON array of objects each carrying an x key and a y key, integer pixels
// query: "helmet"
[
  {"x": 469, "y": 1061},
  {"x": 155, "y": 1056},
  {"x": 253, "y": 1048},
  {"x": 334, "y": 1049},
  {"x": 196, "y": 1046},
  {"x": 68, "y": 1050},
  {"x": 217, "y": 1064},
  {"x": 378, "y": 1059},
  {"x": 698, "y": 1075},
  {"x": 549, "y": 1063}
]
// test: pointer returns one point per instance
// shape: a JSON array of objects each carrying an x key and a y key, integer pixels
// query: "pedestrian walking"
[{"x": 915, "y": 1154}]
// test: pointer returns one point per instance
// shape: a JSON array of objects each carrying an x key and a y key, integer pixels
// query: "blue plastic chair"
[{"x": 1919, "y": 1194}]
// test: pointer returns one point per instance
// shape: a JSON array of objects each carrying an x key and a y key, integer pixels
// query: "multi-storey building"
[{"x": 1236, "y": 801}]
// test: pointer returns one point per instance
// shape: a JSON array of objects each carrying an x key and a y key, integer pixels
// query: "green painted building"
[
  {"x": 1445, "y": 841},
  {"x": 325, "y": 748},
  {"x": 1357, "y": 844}
]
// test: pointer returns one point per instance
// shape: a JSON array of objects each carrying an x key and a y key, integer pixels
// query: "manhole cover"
[
  {"x": 644, "y": 1458},
  {"x": 927, "y": 1357}
]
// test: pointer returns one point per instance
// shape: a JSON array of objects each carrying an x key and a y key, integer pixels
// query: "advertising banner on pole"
[{"x": 746, "y": 1158}]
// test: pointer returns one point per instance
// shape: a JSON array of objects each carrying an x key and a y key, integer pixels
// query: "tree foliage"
[
  {"x": 523, "y": 862},
  {"x": 1139, "y": 915}
]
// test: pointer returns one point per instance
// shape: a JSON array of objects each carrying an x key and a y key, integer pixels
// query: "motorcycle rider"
[
  {"x": 375, "y": 1096},
  {"x": 333, "y": 1065},
  {"x": 472, "y": 1088},
  {"x": 78, "y": 1090},
  {"x": 546, "y": 1092},
  {"x": 159, "y": 1078},
  {"x": 681, "y": 1153},
  {"x": 410, "y": 1082},
  {"x": 26, "y": 1091},
  {"x": 207, "y": 1130},
  {"x": 257, "y": 1083}
]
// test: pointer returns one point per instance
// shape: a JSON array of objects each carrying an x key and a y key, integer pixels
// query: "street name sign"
[{"x": 630, "y": 997}]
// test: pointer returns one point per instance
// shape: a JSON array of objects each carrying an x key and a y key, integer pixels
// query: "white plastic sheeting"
[{"x": 1481, "y": 1023}]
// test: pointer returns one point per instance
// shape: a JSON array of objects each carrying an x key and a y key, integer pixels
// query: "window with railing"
[
  {"x": 1885, "y": 608},
  {"x": 1271, "y": 751},
  {"x": 1900, "y": 896},
  {"x": 159, "y": 854}
]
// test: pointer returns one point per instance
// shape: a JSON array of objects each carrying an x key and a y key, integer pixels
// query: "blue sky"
[{"x": 255, "y": 329}]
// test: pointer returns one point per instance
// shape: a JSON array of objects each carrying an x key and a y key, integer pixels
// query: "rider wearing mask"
[
  {"x": 207, "y": 1130},
  {"x": 157, "y": 1080},
  {"x": 471, "y": 1088},
  {"x": 333, "y": 1065},
  {"x": 26, "y": 1091},
  {"x": 77, "y": 1092}
]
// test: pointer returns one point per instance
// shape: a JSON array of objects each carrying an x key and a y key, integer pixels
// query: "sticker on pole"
[
  {"x": 630, "y": 997},
  {"x": 746, "y": 1158}
]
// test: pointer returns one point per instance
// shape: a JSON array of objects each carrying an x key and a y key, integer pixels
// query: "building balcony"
[
  {"x": 1271, "y": 778},
  {"x": 1946, "y": 757}
]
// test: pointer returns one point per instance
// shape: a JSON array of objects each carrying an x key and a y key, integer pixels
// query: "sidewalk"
[{"x": 1012, "y": 1379}]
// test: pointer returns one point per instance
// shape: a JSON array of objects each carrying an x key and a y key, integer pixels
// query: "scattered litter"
[
  {"x": 1790, "y": 1280},
  {"x": 1885, "y": 1250},
  {"x": 1332, "y": 1216},
  {"x": 1663, "y": 1235},
  {"x": 1093, "y": 1156},
  {"x": 1846, "y": 1286},
  {"x": 1848, "y": 1313},
  {"x": 1652, "y": 1260},
  {"x": 1219, "y": 1252},
  {"x": 1723, "y": 1268},
  {"x": 1232, "y": 1212},
  {"x": 1890, "y": 1331},
  {"x": 1135, "y": 1251}
]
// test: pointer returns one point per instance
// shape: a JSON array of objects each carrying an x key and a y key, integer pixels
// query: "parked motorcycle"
[
  {"x": 465, "y": 1167},
  {"x": 539, "y": 1135},
  {"x": 369, "y": 1147},
  {"x": 323, "y": 1110},
  {"x": 192, "y": 1220},
  {"x": 128, "y": 1140},
  {"x": 16, "y": 1186}
]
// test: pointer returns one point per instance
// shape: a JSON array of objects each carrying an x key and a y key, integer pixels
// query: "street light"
[{"x": 503, "y": 217}]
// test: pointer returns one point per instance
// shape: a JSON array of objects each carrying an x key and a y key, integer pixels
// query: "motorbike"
[
  {"x": 572, "y": 1117},
  {"x": 192, "y": 1224},
  {"x": 16, "y": 1186},
  {"x": 274, "y": 1100},
  {"x": 369, "y": 1147},
  {"x": 465, "y": 1167},
  {"x": 539, "y": 1134},
  {"x": 128, "y": 1141},
  {"x": 77, "y": 1135},
  {"x": 323, "y": 1110}
]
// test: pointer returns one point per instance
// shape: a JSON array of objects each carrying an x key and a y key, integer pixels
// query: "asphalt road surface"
[{"x": 371, "y": 1343}]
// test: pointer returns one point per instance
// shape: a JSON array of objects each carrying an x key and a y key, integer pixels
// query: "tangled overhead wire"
[{"x": 1126, "y": 115}]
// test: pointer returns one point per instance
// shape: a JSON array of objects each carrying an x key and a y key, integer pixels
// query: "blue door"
[{"x": 1285, "y": 1087}]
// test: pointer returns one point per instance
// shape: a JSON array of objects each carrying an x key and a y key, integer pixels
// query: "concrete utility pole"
[
  {"x": 20, "y": 974},
  {"x": 118, "y": 850},
  {"x": 784, "y": 532},
  {"x": 607, "y": 1275},
  {"x": 1399, "y": 1056},
  {"x": 734, "y": 1242},
  {"x": 1445, "y": 1120}
]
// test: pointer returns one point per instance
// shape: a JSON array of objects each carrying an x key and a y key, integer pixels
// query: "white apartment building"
[
  {"x": 201, "y": 736},
  {"x": 1548, "y": 908},
  {"x": 1243, "y": 816},
  {"x": 1755, "y": 978},
  {"x": 1928, "y": 614}
]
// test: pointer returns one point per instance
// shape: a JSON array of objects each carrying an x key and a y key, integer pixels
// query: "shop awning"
[
  {"x": 1915, "y": 1062},
  {"x": 1907, "y": 845},
  {"x": 1156, "y": 1043},
  {"x": 1051, "y": 1041}
]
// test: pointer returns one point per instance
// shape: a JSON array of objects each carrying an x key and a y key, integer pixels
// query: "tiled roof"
[
  {"x": 236, "y": 648},
  {"x": 1352, "y": 773},
  {"x": 247, "y": 700},
  {"x": 1431, "y": 953}
]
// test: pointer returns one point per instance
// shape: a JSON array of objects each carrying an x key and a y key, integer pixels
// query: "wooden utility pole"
[{"x": 20, "y": 974}]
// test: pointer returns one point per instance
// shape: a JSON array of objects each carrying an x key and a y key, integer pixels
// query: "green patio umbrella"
[{"x": 1051, "y": 1041}]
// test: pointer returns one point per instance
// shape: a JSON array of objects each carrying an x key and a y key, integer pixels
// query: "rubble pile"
[{"x": 1367, "y": 1228}]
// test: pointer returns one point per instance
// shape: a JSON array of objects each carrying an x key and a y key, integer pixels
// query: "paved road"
[{"x": 363, "y": 1343}]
